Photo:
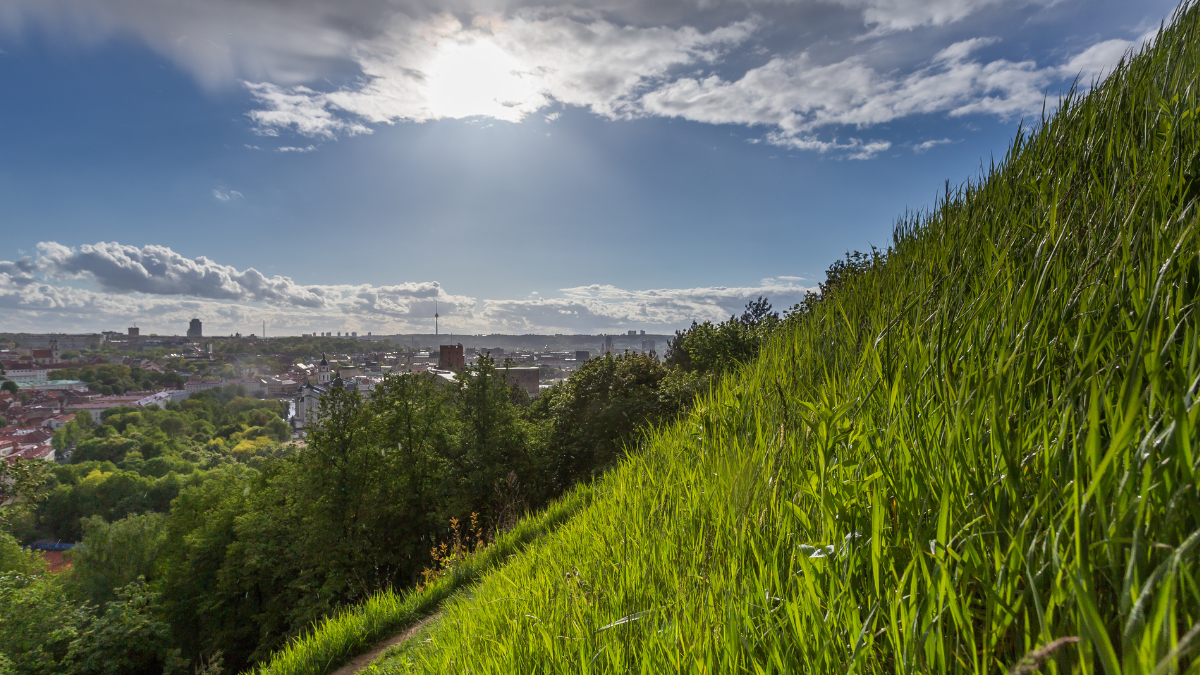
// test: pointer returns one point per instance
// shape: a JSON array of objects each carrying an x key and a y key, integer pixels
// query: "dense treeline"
[
  {"x": 210, "y": 543},
  {"x": 110, "y": 379}
]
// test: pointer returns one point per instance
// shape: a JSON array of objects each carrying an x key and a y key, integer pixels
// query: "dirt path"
[{"x": 360, "y": 662}]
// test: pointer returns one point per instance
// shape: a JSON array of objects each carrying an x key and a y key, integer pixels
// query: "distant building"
[
  {"x": 647, "y": 346},
  {"x": 134, "y": 331},
  {"x": 323, "y": 371},
  {"x": 196, "y": 383},
  {"x": 608, "y": 343},
  {"x": 63, "y": 340},
  {"x": 632, "y": 333},
  {"x": 451, "y": 358},
  {"x": 525, "y": 378},
  {"x": 194, "y": 330},
  {"x": 582, "y": 355},
  {"x": 25, "y": 372}
]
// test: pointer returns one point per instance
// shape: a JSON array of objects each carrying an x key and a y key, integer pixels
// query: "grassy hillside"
[{"x": 976, "y": 454}]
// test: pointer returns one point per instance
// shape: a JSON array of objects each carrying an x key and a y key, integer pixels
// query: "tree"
[
  {"x": 39, "y": 623},
  {"x": 758, "y": 312},
  {"x": 13, "y": 558},
  {"x": 714, "y": 349},
  {"x": 24, "y": 484},
  {"x": 115, "y": 555},
  {"x": 10, "y": 387},
  {"x": 493, "y": 441},
  {"x": 127, "y": 638},
  {"x": 597, "y": 413}
]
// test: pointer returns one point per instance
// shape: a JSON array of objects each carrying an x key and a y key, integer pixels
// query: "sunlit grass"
[{"x": 975, "y": 450}]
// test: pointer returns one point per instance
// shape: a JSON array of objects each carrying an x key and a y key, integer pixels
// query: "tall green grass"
[
  {"x": 960, "y": 462},
  {"x": 338, "y": 638}
]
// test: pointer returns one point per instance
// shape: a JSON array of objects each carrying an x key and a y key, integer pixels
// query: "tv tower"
[{"x": 435, "y": 318}]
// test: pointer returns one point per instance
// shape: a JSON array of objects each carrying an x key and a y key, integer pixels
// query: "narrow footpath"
[{"x": 360, "y": 662}]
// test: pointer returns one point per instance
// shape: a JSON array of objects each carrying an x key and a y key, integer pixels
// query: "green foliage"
[
  {"x": 42, "y": 631},
  {"x": 23, "y": 486},
  {"x": 37, "y": 623},
  {"x": 976, "y": 451},
  {"x": 125, "y": 639},
  {"x": 15, "y": 559},
  {"x": 9, "y": 386},
  {"x": 493, "y": 440},
  {"x": 598, "y": 412},
  {"x": 109, "y": 379},
  {"x": 715, "y": 349},
  {"x": 112, "y": 556}
]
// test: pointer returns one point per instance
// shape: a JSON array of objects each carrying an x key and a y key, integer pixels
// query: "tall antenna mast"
[{"x": 435, "y": 318}]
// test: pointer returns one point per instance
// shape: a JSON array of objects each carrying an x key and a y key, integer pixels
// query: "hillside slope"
[{"x": 978, "y": 447}]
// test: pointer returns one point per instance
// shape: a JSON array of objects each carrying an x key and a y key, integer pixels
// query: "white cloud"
[
  {"x": 601, "y": 307},
  {"x": 509, "y": 68},
  {"x": 897, "y": 15},
  {"x": 1097, "y": 61},
  {"x": 501, "y": 68},
  {"x": 159, "y": 287},
  {"x": 930, "y": 144},
  {"x": 226, "y": 195},
  {"x": 158, "y": 270}
]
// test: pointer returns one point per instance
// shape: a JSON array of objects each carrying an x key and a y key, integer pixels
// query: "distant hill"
[{"x": 977, "y": 453}]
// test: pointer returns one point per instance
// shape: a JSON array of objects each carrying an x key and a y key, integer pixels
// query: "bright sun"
[{"x": 477, "y": 77}]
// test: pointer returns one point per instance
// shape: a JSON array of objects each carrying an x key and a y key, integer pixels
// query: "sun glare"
[{"x": 472, "y": 78}]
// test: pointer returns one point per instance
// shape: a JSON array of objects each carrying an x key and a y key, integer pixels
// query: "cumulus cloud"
[
  {"x": 897, "y": 15},
  {"x": 602, "y": 307},
  {"x": 509, "y": 68},
  {"x": 158, "y": 270},
  {"x": 798, "y": 96},
  {"x": 157, "y": 286},
  {"x": 502, "y": 68}
]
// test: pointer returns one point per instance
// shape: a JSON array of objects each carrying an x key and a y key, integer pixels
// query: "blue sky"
[{"x": 533, "y": 167}]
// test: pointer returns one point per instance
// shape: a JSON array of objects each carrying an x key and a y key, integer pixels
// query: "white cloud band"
[{"x": 161, "y": 289}]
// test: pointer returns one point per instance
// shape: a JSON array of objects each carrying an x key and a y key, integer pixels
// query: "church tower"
[{"x": 323, "y": 371}]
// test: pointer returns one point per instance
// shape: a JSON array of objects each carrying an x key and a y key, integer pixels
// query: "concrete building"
[
  {"x": 52, "y": 385},
  {"x": 528, "y": 379},
  {"x": 451, "y": 357},
  {"x": 25, "y": 372},
  {"x": 196, "y": 383},
  {"x": 134, "y": 331},
  {"x": 194, "y": 329},
  {"x": 65, "y": 341},
  {"x": 582, "y": 355}
]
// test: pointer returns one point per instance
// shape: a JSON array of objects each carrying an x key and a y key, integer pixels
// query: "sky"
[{"x": 530, "y": 167}]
